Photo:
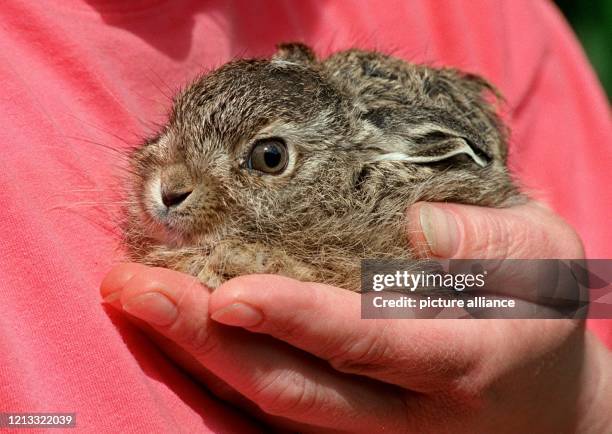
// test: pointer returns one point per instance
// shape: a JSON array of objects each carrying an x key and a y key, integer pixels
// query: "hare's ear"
[
  {"x": 442, "y": 150},
  {"x": 393, "y": 136},
  {"x": 481, "y": 86},
  {"x": 295, "y": 52}
]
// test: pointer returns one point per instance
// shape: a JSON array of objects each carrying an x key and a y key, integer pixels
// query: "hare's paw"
[
  {"x": 233, "y": 258},
  {"x": 210, "y": 278}
]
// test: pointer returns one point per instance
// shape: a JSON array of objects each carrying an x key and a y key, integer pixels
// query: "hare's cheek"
[
  {"x": 159, "y": 208},
  {"x": 152, "y": 199}
]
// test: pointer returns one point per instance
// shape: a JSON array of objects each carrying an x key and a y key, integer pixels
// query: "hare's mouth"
[
  {"x": 162, "y": 233},
  {"x": 175, "y": 237}
]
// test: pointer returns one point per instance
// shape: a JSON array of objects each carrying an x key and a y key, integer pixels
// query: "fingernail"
[
  {"x": 440, "y": 230},
  {"x": 112, "y": 297},
  {"x": 152, "y": 307},
  {"x": 238, "y": 314}
]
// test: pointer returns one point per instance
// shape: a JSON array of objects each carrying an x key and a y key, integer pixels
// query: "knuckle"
[
  {"x": 365, "y": 355},
  {"x": 544, "y": 235},
  {"x": 570, "y": 243},
  {"x": 193, "y": 329},
  {"x": 288, "y": 328},
  {"x": 555, "y": 240},
  {"x": 499, "y": 238},
  {"x": 293, "y": 327},
  {"x": 468, "y": 387},
  {"x": 487, "y": 237},
  {"x": 198, "y": 339},
  {"x": 516, "y": 238},
  {"x": 285, "y": 393}
]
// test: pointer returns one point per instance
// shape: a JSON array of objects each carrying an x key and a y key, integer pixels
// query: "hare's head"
[
  {"x": 265, "y": 150},
  {"x": 244, "y": 144}
]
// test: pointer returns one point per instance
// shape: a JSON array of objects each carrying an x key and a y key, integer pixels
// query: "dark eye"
[{"x": 269, "y": 156}]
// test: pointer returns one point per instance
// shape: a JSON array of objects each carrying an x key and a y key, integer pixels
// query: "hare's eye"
[{"x": 269, "y": 156}]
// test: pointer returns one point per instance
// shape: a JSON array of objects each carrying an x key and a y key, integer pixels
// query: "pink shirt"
[{"x": 74, "y": 73}]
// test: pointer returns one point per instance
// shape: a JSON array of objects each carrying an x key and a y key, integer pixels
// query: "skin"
[{"x": 298, "y": 356}]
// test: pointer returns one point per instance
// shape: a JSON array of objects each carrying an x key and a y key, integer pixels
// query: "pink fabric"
[{"x": 73, "y": 72}]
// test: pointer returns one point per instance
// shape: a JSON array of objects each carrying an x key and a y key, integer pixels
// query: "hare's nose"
[
  {"x": 175, "y": 185},
  {"x": 174, "y": 198}
]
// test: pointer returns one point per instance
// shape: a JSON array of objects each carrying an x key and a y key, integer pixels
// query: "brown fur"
[{"x": 336, "y": 203}]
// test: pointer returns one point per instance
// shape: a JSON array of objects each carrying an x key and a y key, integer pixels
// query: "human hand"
[{"x": 299, "y": 356}]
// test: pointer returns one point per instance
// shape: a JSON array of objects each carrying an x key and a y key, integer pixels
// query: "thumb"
[{"x": 528, "y": 231}]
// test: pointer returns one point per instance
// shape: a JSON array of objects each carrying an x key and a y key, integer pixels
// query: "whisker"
[
  {"x": 98, "y": 128},
  {"x": 122, "y": 152}
]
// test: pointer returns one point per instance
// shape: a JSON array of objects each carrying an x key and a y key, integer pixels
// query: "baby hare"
[{"x": 302, "y": 167}]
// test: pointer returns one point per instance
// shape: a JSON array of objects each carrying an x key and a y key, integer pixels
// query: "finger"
[
  {"x": 527, "y": 231},
  {"x": 454, "y": 357},
  {"x": 213, "y": 383},
  {"x": 281, "y": 380},
  {"x": 113, "y": 282},
  {"x": 111, "y": 288},
  {"x": 420, "y": 355},
  {"x": 216, "y": 385}
]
